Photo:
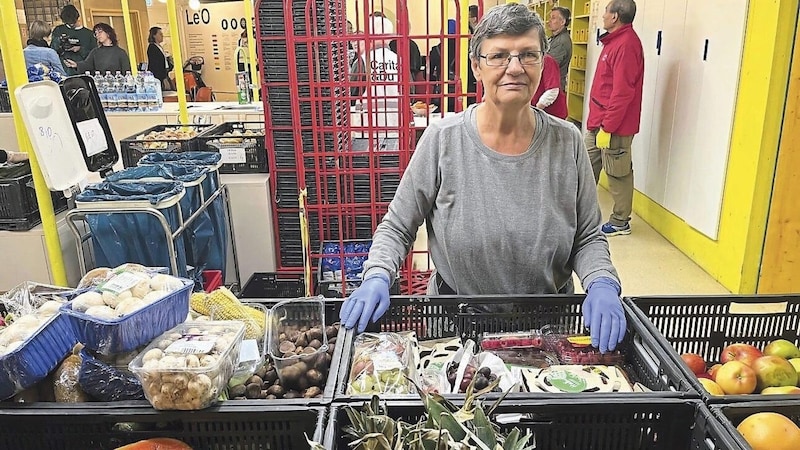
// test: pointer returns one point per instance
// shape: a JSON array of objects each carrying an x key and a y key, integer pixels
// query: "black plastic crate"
[
  {"x": 5, "y": 100},
  {"x": 583, "y": 424},
  {"x": 707, "y": 324},
  {"x": 469, "y": 317},
  {"x": 232, "y": 138},
  {"x": 274, "y": 285},
  {"x": 252, "y": 425},
  {"x": 132, "y": 149},
  {"x": 19, "y": 209},
  {"x": 732, "y": 414}
]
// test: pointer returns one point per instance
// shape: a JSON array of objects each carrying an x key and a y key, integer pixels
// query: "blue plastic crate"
[
  {"x": 133, "y": 330},
  {"x": 37, "y": 356}
]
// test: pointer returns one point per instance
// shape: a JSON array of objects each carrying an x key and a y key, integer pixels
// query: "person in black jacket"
[{"x": 157, "y": 61}]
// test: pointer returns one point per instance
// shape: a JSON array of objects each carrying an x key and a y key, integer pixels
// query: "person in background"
[
  {"x": 157, "y": 62},
  {"x": 560, "y": 41},
  {"x": 615, "y": 108},
  {"x": 549, "y": 96},
  {"x": 380, "y": 62},
  {"x": 436, "y": 68},
  {"x": 505, "y": 191},
  {"x": 12, "y": 157},
  {"x": 415, "y": 60},
  {"x": 38, "y": 51},
  {"x": 107, "y": 57},
  {"x": 473, "y": 18},
  {"x": 71, "y": 40}
]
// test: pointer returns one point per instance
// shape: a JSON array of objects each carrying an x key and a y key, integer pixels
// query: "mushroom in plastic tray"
[
  {"x": 128, "y": 309},
  {"x": 187, "y": 367},
  {"x": 36, "y": 337}
]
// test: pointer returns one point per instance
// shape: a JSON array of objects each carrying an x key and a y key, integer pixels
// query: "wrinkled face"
[
  {"x": 555, "y": 22},
  {"x": 610, "y": 20},
  {"x": 514, "y": 84}
]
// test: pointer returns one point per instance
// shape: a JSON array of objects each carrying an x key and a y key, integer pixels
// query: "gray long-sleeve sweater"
[{"x": 498, "y": 224}]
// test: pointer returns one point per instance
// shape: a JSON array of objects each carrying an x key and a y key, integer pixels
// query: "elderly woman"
[
  {"x": 38, "y": 51},
  {"x": 506, "y": 191},
  {"x": 107, "y": 57}
]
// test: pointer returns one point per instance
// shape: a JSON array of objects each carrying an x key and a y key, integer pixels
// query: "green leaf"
[
  {"x": 484, "y": 429},
  {"x": 511, "y": 440},
  {"x": 449, "y": 423},
  {"x": 313, "y": 445}
]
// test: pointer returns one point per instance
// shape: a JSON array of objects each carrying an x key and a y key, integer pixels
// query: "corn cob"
[{"x": 221, "y": 304}]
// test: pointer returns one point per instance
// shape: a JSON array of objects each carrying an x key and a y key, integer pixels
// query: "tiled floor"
[{"x": 648, "y": 264}]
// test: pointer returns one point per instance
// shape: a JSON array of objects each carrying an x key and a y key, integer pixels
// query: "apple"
[
  {"x": 712, "y": 372},
  {"x": 769, "y": 431},
  {"x": 736, "y": 377},
  {"x": 712, "y": 387},
  {"x": 745, "y": 353},
  {"x": 695, "y": 362},
  {"x": 781, "y": 390},
  {"x": 772, "y": 371},
  {"x": 782, "y": 348},
  {"x": 704, "y": 375},
  {"x": 796, "y": 363}
]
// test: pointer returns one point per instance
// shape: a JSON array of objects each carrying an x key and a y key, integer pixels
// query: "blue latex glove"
[
  {"x": 603, "y": 314},
  {"x": 369, "y": 302}
]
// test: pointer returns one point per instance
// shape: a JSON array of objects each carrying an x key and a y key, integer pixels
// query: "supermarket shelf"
[
  {"x": 582, "y": 16},
  {"x": 580, "y": 43},
  {"x": 580, "y": 69},
  {"x": 577, "y": 94}
]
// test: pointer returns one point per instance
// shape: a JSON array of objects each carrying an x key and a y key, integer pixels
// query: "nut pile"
[{"x": 300, "y": 372}]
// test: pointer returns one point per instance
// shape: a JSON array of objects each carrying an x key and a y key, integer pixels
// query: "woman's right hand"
[{"x": 70, "y": 63}]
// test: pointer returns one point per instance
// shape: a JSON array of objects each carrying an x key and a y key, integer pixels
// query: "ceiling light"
[{"x": 194, "y": 4}]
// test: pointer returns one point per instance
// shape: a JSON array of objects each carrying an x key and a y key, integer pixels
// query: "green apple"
[
  {"x": 782, "y": 348},
  {"x": 796, "y": 363},
  {"x": 781, "y": 390},
  {"x": 774, "y": 371}
]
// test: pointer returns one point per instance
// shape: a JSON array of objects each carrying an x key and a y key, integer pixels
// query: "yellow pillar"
[
  {"x": 126, "y": 19},
  {"x": 17, "y": 75},
  {"x": 172, "y": 12},
  {"x": 251, "y": 49}
]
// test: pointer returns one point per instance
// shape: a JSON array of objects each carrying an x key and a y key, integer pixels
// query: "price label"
[
  {"x": 189, "y": 346},
  {"x": 233, "y": 155},
  {"x": 386, "y": 361},
  {"x": 121, "y": 283},
  {"x": 94, "y": 138},
  {"x": 567, "y": 381}
]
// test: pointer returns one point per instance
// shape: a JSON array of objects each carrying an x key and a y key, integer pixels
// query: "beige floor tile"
[{"x": 648, "y": 264}]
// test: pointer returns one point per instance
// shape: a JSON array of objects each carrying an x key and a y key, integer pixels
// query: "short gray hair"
[
  {"x": 625, "y": 9},
  {"x": 511, "y": 19}
]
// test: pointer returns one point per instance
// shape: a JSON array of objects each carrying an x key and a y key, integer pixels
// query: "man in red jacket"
[{"x": 615, "y": 105}]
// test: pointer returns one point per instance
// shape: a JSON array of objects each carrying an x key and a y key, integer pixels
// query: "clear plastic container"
[
  {"x": 298, "y": 344},
  {"x": 519, "y": 339},
  {"x": 578, "y": 350},
  {"x": 187, "y": 367}
]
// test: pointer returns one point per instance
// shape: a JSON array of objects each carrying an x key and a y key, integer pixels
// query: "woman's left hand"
[{"x": 603, "y": 314}]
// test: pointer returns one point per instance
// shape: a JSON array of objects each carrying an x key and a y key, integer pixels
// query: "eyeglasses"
[{"x": 502, "y": 59}]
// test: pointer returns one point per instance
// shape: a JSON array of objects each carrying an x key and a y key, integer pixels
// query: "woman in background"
[
  {"x": 107, "y": 57},
  {"x": 157, "y": 61},
  {"x": 38, "y": 50}
]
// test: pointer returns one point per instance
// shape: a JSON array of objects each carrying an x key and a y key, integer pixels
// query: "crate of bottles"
[{"x": 127, "y": 93}]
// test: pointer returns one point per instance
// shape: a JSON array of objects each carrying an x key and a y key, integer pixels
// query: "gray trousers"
[{"x": 616, "y": 161}]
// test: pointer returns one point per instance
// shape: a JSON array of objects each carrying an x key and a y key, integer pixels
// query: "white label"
[
  {"x": 93, "y": 136},
  {"x": 233, "y": 155},
  {"x": 248, "y": 351},
  {"x": 190, "y": 346},
  {"x": 386, "y": 361},
  {"x": 121, "y": 283}
]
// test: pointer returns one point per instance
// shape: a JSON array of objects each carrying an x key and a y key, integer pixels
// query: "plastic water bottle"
[
  {"x": 98, "y": 82},
  {"x": 108, "y": 95},
  {"x": 120, "y": 100},
  {"x": 141, "y": 98},
  {"x": 130, "y": 92},
  {"x": 153, "y": 89}
]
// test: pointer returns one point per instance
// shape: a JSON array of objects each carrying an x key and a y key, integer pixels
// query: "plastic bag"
[
  {"x": 106, "y": 383},
  {"x": 381, "y": 364}
]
